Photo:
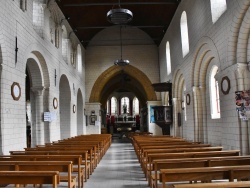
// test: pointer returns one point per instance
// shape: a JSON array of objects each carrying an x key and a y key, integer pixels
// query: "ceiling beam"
[
  {"x": 123, "y": 3},
  {"x": 102, "y": 27}
]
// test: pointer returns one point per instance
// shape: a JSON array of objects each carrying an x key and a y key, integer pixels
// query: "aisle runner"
[{"x": 119, "y": 168}]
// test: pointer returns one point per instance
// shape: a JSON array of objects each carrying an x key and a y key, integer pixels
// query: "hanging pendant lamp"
[
  {"x": 119, "y": 16},
  {"x": 121, "y": 62}
]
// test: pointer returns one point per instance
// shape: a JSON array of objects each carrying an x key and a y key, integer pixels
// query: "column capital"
[{"x": 38, "y": 90}]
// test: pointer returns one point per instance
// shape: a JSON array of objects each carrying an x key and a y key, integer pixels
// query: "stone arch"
[
  {"x": 240, "y": 29},
  {"x": 38, "y": 91},
  {"x": 65, "y": 107},
  {"x": 206, "y": 53},
  {"x": 79, "y": 112},
  {"x": 178, "y": 90},
  {"x": 103, "y": 79}
]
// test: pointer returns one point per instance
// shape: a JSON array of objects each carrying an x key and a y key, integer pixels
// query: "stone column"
[
  {"x": 196, "y": 113},
  {"x": 39, "y": 127},
  {"x": 175, "y": 116}
]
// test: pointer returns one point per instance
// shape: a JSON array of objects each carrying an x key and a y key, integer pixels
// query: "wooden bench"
[
  {"x": 76, "y": 160},
  {"x": 30, "y": 177},
  {"x": 213, "y": 185},
  {"x": 205, "y": 174},
  {"x": 193, "y": 163},
  {"x": 90, "y": 149},
  {"x": 147, "y": 165},
  {"x": 60, "y": 166},
  {"x": 146, "y": 152},
  {"x": 170, "y": 146},
  {"x": 84, "y": 155}
]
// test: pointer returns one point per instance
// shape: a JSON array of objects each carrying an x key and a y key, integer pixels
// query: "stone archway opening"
[{"x": 65, "y": 106}]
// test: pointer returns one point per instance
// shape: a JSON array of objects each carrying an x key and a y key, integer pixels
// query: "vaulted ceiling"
[{"x": 88, "y": 17}]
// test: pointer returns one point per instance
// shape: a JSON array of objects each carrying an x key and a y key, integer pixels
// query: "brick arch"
[
  {"x": 113, "y": 71},
  {"x": 240, "y": 29}
]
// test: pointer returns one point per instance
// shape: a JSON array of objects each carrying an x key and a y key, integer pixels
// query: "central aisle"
[{"x": 119, "y": 168}]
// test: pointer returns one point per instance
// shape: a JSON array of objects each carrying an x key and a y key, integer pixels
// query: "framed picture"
[
  {"x": 92, "y": 119},
  {"x": 55, "y": 103},
  {"x": 15, "y": 91}
]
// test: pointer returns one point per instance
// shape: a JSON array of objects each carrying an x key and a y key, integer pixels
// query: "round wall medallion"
[
  {"x": 74, "y": 108},
  {"x": 225, "y": 85},
  {"x": 188, "y": 99},
  {"x": 16, "y": 91},
  {"x": 55, "y": 103}
]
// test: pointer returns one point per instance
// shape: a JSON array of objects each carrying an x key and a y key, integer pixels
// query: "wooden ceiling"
[{"x": 88, "y": 17}]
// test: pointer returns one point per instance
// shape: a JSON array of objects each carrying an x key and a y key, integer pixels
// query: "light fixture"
[
  {"x": 121, "y": 62},
  {"x": 119, "y": 16}
]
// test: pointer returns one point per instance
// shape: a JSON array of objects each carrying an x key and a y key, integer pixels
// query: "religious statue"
[{"x": 125, "y": 108}]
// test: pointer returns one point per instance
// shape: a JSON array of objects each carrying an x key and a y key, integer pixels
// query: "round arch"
[
  {"x": 113, "y": 71},
  {"x": 65, "y": 107},
  {"x": 79, "y": 112}
]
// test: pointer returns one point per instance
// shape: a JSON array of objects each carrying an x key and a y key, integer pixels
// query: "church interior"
[{"x": 158, "y": 71}]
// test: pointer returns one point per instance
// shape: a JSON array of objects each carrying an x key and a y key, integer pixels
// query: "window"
[
  {"x": 125, "y": 105},
  {"x": 23, "y": 5},
  {"x": 113, "y": 105},
  {"x": 184, "y": 34},
  {"x": 38, "y": 17},
  {"x": 64, "y": 44},
  {"x": 79, "y": 58},
  {"x": 168, "y": 59},
  {"x": 218, "y": 7},
  {"x": 214, "y": 94},
  {"x": 136, "y": 110}
]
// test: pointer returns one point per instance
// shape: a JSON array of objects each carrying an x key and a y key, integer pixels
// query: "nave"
[{"x": 119, "y": 168}]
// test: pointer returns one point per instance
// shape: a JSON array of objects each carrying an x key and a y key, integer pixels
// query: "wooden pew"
[
  {"x": 193, "y": 163},
  {"x": 161, "y": 154},
  {"x": 143, "y": 148},
  {"x": 30, "y": 177},
  {"x": 205, "y": 174},
  {"x": 147, "y": 165},
  {"x": 61, "y": 166},
  {"x": 90, "y": 149},
  {"x": 146, "y": 152},
  {"x": 76, "y": 160},
  {"x": 84, "y": 155},
  {"x": 245, "y": 184}
]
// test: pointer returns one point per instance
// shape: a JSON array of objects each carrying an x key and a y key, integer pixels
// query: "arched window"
[
  {"x": 218, "y": 7},
  {"x": 23, "y": 5},
  {"x": 107, "y": 107},
  {"x": 113, "y": 106},
  {"x": 168, "y": 59},
  {"x": 184, "y": 34},
  {"x": 125, "y": 105},
  {"x": 38, "y": 17},
  {"x": 79, "y": 58},
  {"x": 136, "y": 107},
  {"x": 214, "y": 94},
  {"x": 65, "y": 41}
]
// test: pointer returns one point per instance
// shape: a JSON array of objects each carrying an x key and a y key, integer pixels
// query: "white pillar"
[{"x": 39, "y": 127}]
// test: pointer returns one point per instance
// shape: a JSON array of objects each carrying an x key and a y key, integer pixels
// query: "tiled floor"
[{"x": 119, "y": 168}]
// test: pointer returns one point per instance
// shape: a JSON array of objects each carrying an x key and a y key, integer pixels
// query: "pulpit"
[{"x": 163, "y": 117}]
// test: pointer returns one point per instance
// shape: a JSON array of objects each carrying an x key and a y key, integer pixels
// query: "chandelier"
[{"x": 119, "y": 16}]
